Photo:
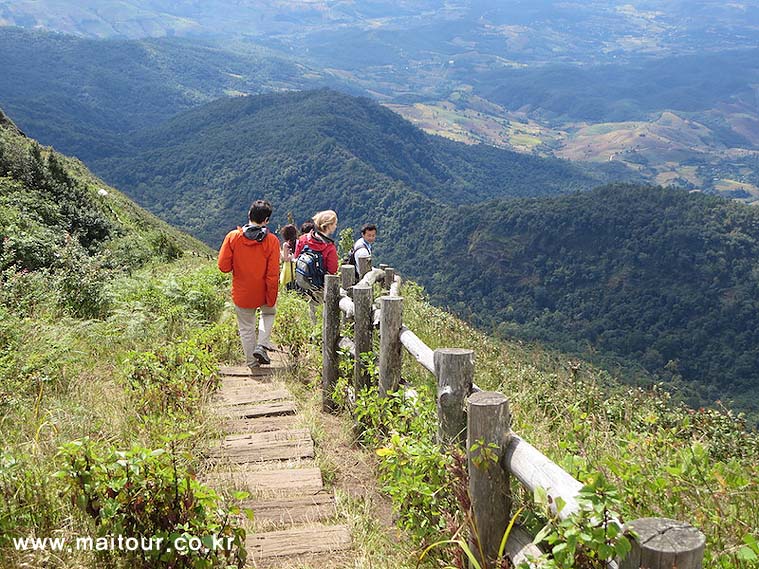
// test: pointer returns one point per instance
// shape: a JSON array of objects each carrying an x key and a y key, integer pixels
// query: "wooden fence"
[{"x": 467, "y": 414}]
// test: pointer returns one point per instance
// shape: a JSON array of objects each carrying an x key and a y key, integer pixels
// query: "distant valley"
[{"x": 497, "y": 231}]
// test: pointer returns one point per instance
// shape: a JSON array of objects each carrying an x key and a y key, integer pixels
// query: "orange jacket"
[{"x": 254, "y": 265}]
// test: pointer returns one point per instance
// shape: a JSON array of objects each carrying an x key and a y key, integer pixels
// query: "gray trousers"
[{"x": 253, "y": 332}]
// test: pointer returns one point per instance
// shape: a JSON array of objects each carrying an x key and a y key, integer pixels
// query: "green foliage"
[
  {"x": 29, "y": 500},
  {"x": 588, "y": 538},
  {"x": 656, "y": 278},
  {"x": 412, "y": 468},
  {"x": 171, "y": 380},
  {"x": 345, "y": 242},
  {"x": 82, "y": 284},
  {"x": 146, "y": 493}
]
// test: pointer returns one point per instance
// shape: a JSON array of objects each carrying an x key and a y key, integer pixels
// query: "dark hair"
[
  {"x": 289, "y": 233},
  {"x": 306, "y": 227},
  {"x": 260, "y": 211},
  {"x": 368, "y": 227}
]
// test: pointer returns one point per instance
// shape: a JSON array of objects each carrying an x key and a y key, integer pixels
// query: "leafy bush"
[
  {"x": 82, "y": 284},
  {"x": 144, "y": 493},
  {"x": 172, "y": 380}
]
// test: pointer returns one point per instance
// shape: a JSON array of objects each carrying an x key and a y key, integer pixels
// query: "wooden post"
[
  {"x": 389, "y": 277},
  {"x": 664, "y": 544},
  {"x": 362, "y": 333},
  {"x": 364, "y": 266},
  {"x": 347, "y": 278},
  {"x": 488, "y": 422},
  {"x": 454, "y": 370},
  {"x": 391, "y": 317},
  {"x": 330, "y": 339}
]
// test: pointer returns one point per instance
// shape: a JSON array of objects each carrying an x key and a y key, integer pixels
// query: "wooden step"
[
  {"x": 293, "y": 510},
  {"x": 298, "y": 541},
  {"x": 274, "y": 445},
  {"x": 237, "y": 440},
  {"x": 261, "y": 410},
  {"x": 277, "y": 361},
  {"x": 233, "y": 398},
  {"x": 285, "y": 481},
  {"x": 261, "y": 424}
]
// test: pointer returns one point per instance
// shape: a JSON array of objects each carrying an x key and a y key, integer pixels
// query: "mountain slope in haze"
[
  {"x": 83, "y": 95},
  {"x": 661, "y": 278},
  {"x": 313, "y": 150}
]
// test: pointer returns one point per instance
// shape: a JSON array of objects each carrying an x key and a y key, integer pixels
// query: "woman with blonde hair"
[
  {"x": 319, "y": 241},
  {"x": 325, "y": 223}
]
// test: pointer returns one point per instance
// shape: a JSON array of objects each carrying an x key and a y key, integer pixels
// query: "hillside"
[
  {"x": 56, "y": 216},
  {"x": 83, "y": 95},
  {"x": 312, "y": 150},
  {"x": 109, "y": 339},
  {"x": 660, "y": 278}
]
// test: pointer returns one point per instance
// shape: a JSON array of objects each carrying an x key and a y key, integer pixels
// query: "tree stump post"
[
  {"x": 330, "y": 340},
  {"x": 348, "y": 278},
  {"x": 364, "y": 266},
  {"x": 664, "y": 544},
  {"x": 454, "y": 370},
  {"x": 488, "y": 422},
  {"x": 389, "y": 277},
  {"x": 362, "y": 333},
  {"x": 391, "y": 315}
]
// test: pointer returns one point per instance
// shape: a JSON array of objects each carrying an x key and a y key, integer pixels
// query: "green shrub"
[{"x": 144, "y": 493}]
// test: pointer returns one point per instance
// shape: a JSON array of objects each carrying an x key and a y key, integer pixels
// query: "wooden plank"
[
  {"x": 273, "y": 450},
  {"x": 252, "y": 439},
  {"x": 244, "y": 371},
  {"x": 262, "y": 410},
  {"x": 261, "y": 424},
  {"x": 297, "y": 541},
  {"x": 284, "y": 481},
  {"x": 244, "y": 396},
  {"x": 421, "y": 352},
  {"x": 297, "y": 509}
]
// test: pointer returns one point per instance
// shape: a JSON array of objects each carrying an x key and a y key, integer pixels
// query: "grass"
[{"x": 63, "y": 379}]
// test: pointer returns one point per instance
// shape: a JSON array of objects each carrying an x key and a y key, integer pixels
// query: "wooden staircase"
[{"x": 267, "y": 454}]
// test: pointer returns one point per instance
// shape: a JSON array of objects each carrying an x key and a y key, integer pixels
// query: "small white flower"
[{"x": 102, "y": 192}]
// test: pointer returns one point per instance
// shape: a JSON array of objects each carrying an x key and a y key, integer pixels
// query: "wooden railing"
[{"x": 467, "y": 414}]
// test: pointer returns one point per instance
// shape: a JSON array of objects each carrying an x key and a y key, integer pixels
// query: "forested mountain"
[
  {"x": 313, "y": 150},
  {"x": 650, "y": 277},
  {"x": 83, "y": 95},
  {"x": 661, "y": 278}
]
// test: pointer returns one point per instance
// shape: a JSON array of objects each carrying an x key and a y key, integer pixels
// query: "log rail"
[{"x": 467, "y": 414}]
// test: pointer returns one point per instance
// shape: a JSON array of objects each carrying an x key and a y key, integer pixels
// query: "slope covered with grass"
[{"x": 111, "y": 330}]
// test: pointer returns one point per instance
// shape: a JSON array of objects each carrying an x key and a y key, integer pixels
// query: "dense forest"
[
  {"x": 660, "y": 278},
  {"x": 313, "y": 150}
]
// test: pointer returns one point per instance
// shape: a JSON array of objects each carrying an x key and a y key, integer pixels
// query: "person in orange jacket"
[{"x": 251, "y": 254}]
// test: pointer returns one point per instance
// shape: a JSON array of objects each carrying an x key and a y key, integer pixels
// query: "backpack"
[
  {"x": 350, "y": 258},
  {"x": 309, "y": 269}
]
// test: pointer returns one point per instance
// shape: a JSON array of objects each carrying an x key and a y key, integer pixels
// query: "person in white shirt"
[{"x": 363, "y": 247}]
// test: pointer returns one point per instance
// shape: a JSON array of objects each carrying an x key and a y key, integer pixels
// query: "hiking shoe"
[
  {"x": 260, "y": 354},
  {"x": 252, "y": 367}
]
